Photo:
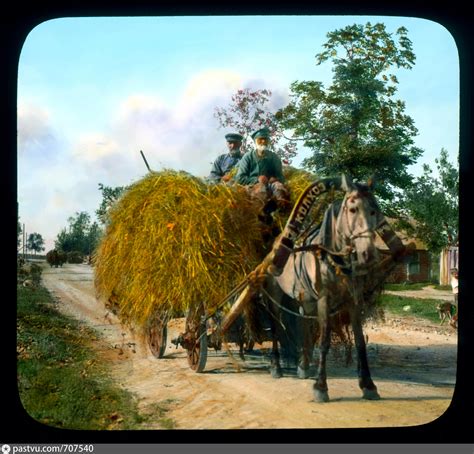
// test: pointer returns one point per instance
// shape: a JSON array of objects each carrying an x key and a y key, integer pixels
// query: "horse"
[{"x": 336, "y": 269}]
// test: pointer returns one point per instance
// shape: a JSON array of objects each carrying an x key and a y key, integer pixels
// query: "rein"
[
  {"x": 297, "y": 314},
  {"x": 283, "y": 308}
]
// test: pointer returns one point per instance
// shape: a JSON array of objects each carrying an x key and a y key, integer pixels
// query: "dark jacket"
[
  {"x": 251, "y": 167},
  {"x": 222, "y": 165}
]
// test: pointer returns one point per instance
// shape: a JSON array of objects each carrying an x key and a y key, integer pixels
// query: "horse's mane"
[{"x": 327, "y": 230}]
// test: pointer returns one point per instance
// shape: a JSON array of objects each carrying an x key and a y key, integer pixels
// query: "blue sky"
[{"x": 93, "y": 92}]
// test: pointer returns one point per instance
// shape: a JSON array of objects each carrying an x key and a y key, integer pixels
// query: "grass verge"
[
  {"x": 416, "y": 286},
  {"x": 404, "y": 287},
  {"x": 403, "y": 306},
  {"x": 61, "y": 380}
]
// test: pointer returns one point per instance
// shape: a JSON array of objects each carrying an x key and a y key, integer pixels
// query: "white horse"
[{"x": 337, "y": 267}]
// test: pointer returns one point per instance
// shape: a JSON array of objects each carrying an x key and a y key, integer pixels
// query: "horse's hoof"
[
  {"x": 321, "y": 396},
  {"x": 302, "y": 373},
  {"x": 276, "y": 373},
  {"x": 370, "y": 394}
]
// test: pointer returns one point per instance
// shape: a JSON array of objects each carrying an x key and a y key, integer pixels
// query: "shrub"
[{"x": 75, "y": 257}]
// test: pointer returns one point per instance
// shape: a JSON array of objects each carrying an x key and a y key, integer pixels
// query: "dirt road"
[{"x": 413, "y": 364}]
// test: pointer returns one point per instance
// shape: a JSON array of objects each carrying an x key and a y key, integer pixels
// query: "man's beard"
[
  {"x": 234, "y": 153},
  {"x": 261, "y": 149}
]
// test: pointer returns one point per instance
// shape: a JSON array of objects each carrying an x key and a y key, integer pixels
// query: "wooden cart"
[{"x": 204, "y": 331}]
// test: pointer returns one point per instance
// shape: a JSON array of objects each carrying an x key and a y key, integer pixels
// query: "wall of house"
[
  {"x": 449, "y": 259},
  {"x": 417, "y": 270}
]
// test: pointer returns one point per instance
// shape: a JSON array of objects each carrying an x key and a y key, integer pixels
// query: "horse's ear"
[{"x": 346, "y": 183}]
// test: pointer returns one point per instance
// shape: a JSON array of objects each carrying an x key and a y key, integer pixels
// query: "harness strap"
[
  {"x": 316, "y": 247},
  {"x": 332, "y": 312},
  {"x": 283, "y": 308}
]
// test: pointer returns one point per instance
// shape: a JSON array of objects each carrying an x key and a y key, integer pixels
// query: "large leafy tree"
[
  {"x": 80, "y": 235},
  {"x": 356, "y": 125},
  {"x": 35, "y": 242},
  {"x": 248, "y": 111},
  {"x": 431, "y": 207}
]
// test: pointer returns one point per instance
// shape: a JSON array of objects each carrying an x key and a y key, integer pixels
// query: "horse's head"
[{"x": 358, "y": 220}]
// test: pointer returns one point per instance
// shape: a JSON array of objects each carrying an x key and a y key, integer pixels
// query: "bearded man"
[{"x": 262, "y": 170}]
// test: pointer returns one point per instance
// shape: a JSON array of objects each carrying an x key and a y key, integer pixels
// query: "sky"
[{"x": 94, "y": 91}]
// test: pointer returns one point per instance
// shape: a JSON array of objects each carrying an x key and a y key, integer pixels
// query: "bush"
[
  {"x": 29, "y": 272},
  {"x": 75, "y": 257},
  {"x": 35, "y": 273},
  {"x": 56, "y": 258}
]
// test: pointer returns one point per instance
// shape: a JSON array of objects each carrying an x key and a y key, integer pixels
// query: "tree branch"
[{"x": 329, "y": 139}]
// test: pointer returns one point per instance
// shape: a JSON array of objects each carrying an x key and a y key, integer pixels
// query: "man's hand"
[
  {"x": 263, "y": 179},
  {"x": 225, "y": 178}
]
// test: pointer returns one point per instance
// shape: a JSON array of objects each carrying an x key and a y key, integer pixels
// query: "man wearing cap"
[
  {"x": 262, "y": 166},
  {"x": 226, "y": 162}
]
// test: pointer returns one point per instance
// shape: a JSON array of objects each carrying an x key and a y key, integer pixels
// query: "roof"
[{"x": 406, "y": 239}]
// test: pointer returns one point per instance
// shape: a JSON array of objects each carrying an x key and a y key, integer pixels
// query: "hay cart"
[{"x": 204, "y": 331}]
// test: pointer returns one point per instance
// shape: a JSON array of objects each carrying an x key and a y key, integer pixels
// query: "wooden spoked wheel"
[
  {"x": 196, "y": 338},
  {"x": 157, "y": 336}
]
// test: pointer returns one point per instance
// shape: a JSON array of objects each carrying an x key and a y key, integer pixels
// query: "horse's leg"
[
  {"x": 241, "y": 349},
  {"x": 273, "y": 312},
  {"x": 241, "y": 341},
  {"x": 369, "y": 390},
  {"x": 306, "y": 352},
  {"x": 275, "y": 368},
  {"x": 320, "y": 387}
]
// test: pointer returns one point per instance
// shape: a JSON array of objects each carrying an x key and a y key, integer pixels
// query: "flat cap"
[
  {"x": 264, "y": 132},
  {"x": 233, "y": 137}
]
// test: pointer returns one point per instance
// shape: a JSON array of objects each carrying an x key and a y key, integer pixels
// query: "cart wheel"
[
  {"x": 156, "y": 336},
  {"x": 197, "y": 340}
]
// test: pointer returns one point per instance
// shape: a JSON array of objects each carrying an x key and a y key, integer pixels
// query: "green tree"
[
  {"x": 356, "y": 126},
  {"x": 249, "y": 111},
  {"x": 80, "y": 235},
  {"x": 431, "y": 206},
  {"x": 35, "y": 242},
  {"x": 109, "y": 197},
  {"x": 93, "y": 237},
  {"x": 19, "y": 232}
]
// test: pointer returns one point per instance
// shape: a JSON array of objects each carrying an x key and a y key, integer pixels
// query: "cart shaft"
[{"x": 236, "y": 309}]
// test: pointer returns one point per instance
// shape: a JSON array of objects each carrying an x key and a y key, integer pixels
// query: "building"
[
  {"x": 417, "y": 267},
  {"x": 449, "y": 258}
]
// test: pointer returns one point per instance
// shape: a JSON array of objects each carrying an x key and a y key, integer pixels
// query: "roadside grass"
[
  {"x": 398, "y": 305},
  {"x": 61, "y": 380},
  {"x": 407, "y": 286},
  {"x": 416, "y": 286},
  {"x": 442, "y": 287}
]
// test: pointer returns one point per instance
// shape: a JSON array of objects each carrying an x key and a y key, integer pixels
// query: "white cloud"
[
  {"x": 183, "y": 135},
  {"x": 94, "y": 147},
  {"x": 36, "y": 137},
  {"x": 204, "y": 89}
]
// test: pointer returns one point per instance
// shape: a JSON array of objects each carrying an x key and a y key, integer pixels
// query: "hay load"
[{"x": 174, "y": 241}]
